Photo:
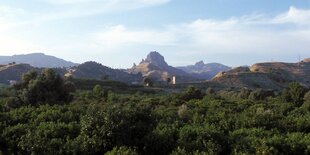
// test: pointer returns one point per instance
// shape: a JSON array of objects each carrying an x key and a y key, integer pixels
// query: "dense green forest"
[{"x": 45, "y": 114}]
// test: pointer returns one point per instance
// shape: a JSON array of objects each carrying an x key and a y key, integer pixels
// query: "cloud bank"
[{"x": 287, "y": 32}]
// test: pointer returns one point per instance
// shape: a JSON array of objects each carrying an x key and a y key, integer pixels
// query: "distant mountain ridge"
[
  {"x": 268, "y": 75},
  {"x": 37, "y": 60},
  {"x": 204, "y": 71}
]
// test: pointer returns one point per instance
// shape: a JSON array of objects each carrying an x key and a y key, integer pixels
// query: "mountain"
[
  {"x": 37, "y": 60},
  {"x": 204, "y": 71},
  {"x": 270, "y": 75},
  {"x": 156, "y": 67},
  {"x": 94, "y": 70}
]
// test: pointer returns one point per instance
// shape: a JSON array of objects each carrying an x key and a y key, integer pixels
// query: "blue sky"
[{"x": 119, "y": 33}]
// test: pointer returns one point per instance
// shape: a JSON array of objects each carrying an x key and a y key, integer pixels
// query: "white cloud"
[
  {"x": 8, "y": 15},
  {"x": 78, "y": 8},
  {"x": 295, "y": 16},
  {"x": 10, "y": 41},
  {"x": 120, "y": 35},
  {"x": 7, "y": 11},
  {"x": 13, "y": 45},
  {"x": 67, "y": 2},
  {"x": 257, "y": 34},
  {"x": 102, "y": 2}
]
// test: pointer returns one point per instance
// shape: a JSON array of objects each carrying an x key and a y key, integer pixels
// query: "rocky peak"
[
  {"x": 200, "y": 64},
  {"x": 306, "y": 60},
  {"x": 156, "y": 59}
]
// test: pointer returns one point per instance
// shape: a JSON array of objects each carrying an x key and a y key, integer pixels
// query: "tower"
[{"x": 174, "y": 80}]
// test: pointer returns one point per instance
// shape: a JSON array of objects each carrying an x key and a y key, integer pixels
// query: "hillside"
[
  {"x": 37, "y": 60},
  {"x": 94, "y": 70},
  {"x": 156, "y": 67},
  {"x": 271, "y": 75},
  {"x": 13, "y": 72},
  {"x": 204, "y": 71}
]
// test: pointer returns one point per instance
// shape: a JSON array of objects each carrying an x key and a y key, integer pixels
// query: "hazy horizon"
[{"x": 119, "y": 33}]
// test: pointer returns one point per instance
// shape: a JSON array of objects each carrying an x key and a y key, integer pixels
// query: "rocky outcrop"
[
  {"x": 156, "y": 59},
  {"x": 306, "y": 60}
]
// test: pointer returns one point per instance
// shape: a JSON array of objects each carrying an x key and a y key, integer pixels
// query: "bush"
[
  {"x": 191, "y": 93},
  {"x": 260, "y": 94}
]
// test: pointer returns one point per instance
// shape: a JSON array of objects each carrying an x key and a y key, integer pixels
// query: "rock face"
[
  {"x": 156, "y": 67},
  {"x": 306, "y": 60},
  {"x": 94, "y": 70},
  {"x": 204, "y": 71},
  {"x": 156, "y": 59},
  {"x": 37, "y": 60},
  {"x": 273, "y": 75}
]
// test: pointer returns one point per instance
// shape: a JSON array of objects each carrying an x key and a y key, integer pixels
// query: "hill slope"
[
  {"x": 204, "y": 71},
  {"x": 94, "y": 70},
  {"x": 37, "y": 60},
  {"x": 272, "y": 75},
  {"x": 13, "y": 72}
]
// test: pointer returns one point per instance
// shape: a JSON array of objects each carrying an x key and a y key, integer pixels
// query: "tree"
[
  {"x": 294, "y": 93},
  {"x": 201, "y": 137},
  {"x": 105, "y": 77},
  {"x": 122, "y": 151},
  {"x": 244, "y": 93},
  {"x": 210, "y": 91},
  {"x": 148, "y": 81},
  {"x": 168, "y": 80},
  {"x": 47, "y": 87},
  {"x": 260, "y": 94},
  {"x": 307, "y": 97},
  {"x": 100, "y": 93},
  {"x": 191, "y": 93},
  {"x": 27, "y": 77}
]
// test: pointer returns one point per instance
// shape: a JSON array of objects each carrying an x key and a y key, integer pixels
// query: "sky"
[{"x": 118, "y": 33}]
